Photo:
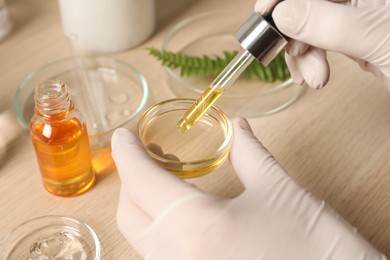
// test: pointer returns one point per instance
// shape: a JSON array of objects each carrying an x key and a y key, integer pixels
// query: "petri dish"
[
  {"x": 198, "y": 151},
  {"x": 51, "y": 237},
  {"x": 114, "y": 97},
  {"x": 247, "y": 97}
]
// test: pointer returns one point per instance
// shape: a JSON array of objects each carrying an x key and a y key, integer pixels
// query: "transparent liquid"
[
  {"x": 64, "y": 156},
  {"x": 190, "y": 154},
  {"x": 58, "y": 246}
]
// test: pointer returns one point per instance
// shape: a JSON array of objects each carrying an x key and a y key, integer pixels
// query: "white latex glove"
[
  {"x": 360, "y": 30},
  {"x": 163, "y": 217}
]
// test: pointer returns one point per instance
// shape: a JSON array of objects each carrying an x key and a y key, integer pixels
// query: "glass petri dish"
[
  {"x": 109, "y": 92},
  {"x": 51, "y": 237},
  {"x": 246, "y": 97},
  {"x": 198, "y": 151}
]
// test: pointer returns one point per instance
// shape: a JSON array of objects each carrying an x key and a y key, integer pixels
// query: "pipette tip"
[{"x": 183, "y": 125}]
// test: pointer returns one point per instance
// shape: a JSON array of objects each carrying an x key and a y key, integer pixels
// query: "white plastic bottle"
[
  {"x": 5, "y": 22},
  {"x": 108, "y": 25}
]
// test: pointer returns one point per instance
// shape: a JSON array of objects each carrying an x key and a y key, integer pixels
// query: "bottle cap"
[{"x": 261, "y": 38}]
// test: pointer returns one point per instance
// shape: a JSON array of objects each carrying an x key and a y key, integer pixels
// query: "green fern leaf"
[{"x": 190, "y": 65}]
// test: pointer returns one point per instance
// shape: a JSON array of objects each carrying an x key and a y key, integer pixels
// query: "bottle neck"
[{"x": 52, "y": 99}]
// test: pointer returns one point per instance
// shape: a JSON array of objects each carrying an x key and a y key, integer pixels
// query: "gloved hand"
[
  {"x": 163, "y": 217},
  {"x": 359, "y": 30}
]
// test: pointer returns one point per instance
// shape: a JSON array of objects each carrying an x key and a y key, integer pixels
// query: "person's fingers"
[
  {"x": 132, "y": 220},
  {"x": 254, "y": 165},
  {"x": 264, "y": 7},
  {"x": 295, "y": 48},
  {"x": 294, "y": 70},
  {"x": 312, "y": 66},
  {"x": 152, "y": 188},
  {"x": 332, "y": 26},
  {"x": 368, "y": 3}
]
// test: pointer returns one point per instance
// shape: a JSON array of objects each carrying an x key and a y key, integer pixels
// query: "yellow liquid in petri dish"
[{"x": 193, "y": 153}]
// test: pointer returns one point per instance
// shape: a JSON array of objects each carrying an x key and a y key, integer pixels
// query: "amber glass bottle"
[{"x": 60, "y": 139}]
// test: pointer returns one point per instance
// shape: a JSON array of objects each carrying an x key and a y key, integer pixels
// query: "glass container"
[
  {"x": 116, "y": 95},
  {"x": 51, "y": 237},
  {"x": 60, "y": 138},
  {"x": 198, "y": 151},
  {"x": 246, "y": 97}
]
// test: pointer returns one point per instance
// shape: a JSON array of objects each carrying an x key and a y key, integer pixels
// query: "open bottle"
[{"x": 60, "y": 138}]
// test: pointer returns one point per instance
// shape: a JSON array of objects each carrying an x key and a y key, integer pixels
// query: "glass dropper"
[
  {"x": 220, "y": 84},
  {"x": 259, "y": 39}
]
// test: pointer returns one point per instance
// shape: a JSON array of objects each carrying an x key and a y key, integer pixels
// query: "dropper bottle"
[
  {"x": 259, "y": 39},
  {"x": 60, "y": 139}
]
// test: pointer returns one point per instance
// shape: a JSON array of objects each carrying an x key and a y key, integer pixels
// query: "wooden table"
[{"x": 335, "y": 142}]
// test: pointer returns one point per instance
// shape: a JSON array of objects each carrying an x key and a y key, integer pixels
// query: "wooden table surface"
[{"x": 335, "y": 141}]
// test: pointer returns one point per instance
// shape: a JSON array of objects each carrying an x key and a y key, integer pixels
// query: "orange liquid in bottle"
[{"x": 64, "y": 157}]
